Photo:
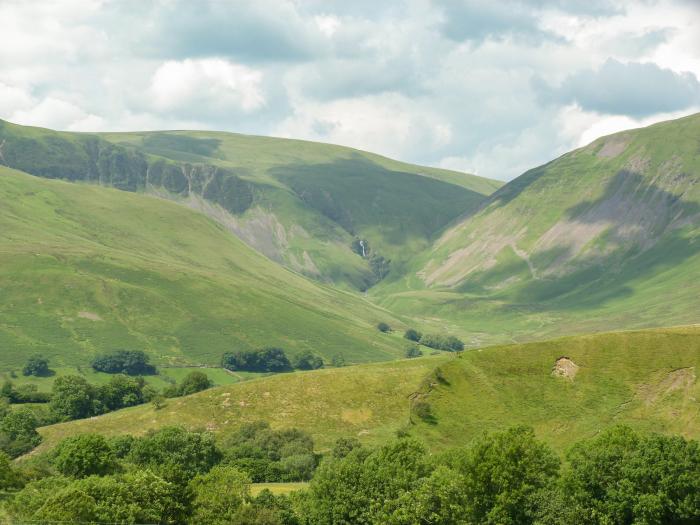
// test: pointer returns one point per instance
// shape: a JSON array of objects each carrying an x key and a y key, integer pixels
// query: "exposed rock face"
[{"x": 565, "y": 367}]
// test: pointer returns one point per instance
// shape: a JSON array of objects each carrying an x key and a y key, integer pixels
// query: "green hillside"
[
  {"x": 299, "y": 203},
  {"x": 86, "y": 269},
  {"x": 605, "y": 237},
  {"x": 647, "y": 379}
]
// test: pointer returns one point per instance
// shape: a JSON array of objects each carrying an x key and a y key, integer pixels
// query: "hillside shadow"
[{"x": 648, "y": 223}]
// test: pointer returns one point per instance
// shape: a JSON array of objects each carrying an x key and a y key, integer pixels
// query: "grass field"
[
  {"x": 277, "y": 488},
  {"x": 367, "y": 401},
  {"x": 86, "y": 269},
  {"x": 645, "y": 378}
]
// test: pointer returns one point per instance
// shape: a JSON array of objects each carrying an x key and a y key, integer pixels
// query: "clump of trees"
[
  {"x": 268, "y": 455},
  {"x": 23, "y": 393},
  {"x": 412, "y": 335},
  {"x": 383, "y": 327},
  {"x": 192, "y": 383},
  {"x": 413, "y": 351},
  {"x": 38, "y": 366},
  {"x": 129, "y": 362},
  {"x": 448, "y": 343},
  {"x": 269, "y": 360}
]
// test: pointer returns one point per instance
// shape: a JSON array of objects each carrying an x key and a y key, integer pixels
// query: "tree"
[
  {"x": 121, "y": 391},
  {"x": 36, "y": 366},
  {"x": 175, "y": 453},
  {"x": 219, "y": 494},
  {"x": 412, "y": 335},
  {"x": 130, "y": 362},
  {"x": 504, "y": 474},
  {"x": 18, "y": 433},
  {"x": 383, "y": 327},
  {"x": 338, "y": 360},
  {"x": 73, "y": 398},
  {"x": 84, "y": 455},
  {"x": 413, "y": 351},
  {"x": 343, "y": 446},
  {"x": 441, "y": 342},
  {"x": 625, "y": 477},
  {"x": 9, "y": 478},
  {"x": 308, "y": 361},
  {"x": 195, "y": 381}
]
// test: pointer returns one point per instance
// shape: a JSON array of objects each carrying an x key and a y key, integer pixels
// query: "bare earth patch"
[
  {"x": 90, "y": 316},
  {"x": 565, "y": 367},
  {"x": 678, "y": 380}
]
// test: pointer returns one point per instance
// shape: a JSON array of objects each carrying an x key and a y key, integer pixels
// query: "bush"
[
  {"x": 441, "y": 342},
  {"x": 265, "y": 360},
  {"x": 23, "y": 394},
  {"x": 18, "y": 433},
  {"x": 412, "y": 335},
  {"x": 338, "y": 360},
  {"x": 193, "y": 382},
  {"x": 383, "y": 327},
  {"x": 37, "y": 366},
  {"x": 130, "y": 362},
  {"x": 308, "y": 361},
  {"x": 413, "y": 351},
  {"x": 84, "y": 455},
  {"x": 74, "y": 398}
]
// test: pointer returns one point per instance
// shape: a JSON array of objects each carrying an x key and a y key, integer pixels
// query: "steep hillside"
[
  {"x": 85, "y": 269},
  {"x": 607, "y": 236},
  {"x": 568, "y": 389},
  {"x": 300, "y": 203}
]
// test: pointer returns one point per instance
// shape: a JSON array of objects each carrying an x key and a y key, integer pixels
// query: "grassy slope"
[
  {"x": 367, "y": 401},
  {"x": 85, "y": 269},
  {"x": 605, "y": 237},
  {"x": 646, "y": 379},
  {"x": 300, "y": 203}
]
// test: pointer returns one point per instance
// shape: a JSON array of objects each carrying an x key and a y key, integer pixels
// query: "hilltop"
[
  {"x": 604, "y": 237},
  {"x": 568, "y": 389},
  {"x": 305, "y": 205}
]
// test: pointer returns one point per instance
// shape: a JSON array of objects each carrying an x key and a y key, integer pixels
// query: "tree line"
[{"x": 619, "y": 477}]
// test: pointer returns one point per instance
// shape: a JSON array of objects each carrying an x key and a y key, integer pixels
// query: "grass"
[
  {"x": 366, "y": 401},
  {"x": 80, "y": 275},
  {"x": 646, "y": 379},
  {"x": 277, "y": 488}
]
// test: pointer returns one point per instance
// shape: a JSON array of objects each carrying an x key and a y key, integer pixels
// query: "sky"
[{"x": 492, "y": 88}]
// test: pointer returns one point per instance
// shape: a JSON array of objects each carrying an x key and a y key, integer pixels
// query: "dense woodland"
[{"x": 178, "y": 476}]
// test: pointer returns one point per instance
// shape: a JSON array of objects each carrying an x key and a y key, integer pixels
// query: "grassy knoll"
[
  {"x": 86, "y": 269},
  {"x": 367, "y": 401},
  {"x": 645, "y": 378}
]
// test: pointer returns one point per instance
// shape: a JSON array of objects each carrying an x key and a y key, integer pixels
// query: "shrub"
[
  {"x": 18, "y": 433},
  {"x": 130, "y": 362},
  {"x": 338, "y": 360},
  {"x": 441, "y": 342},
  {"x": 193, "y": 382},
  {"x": 383, "y": 327},
  {"x": 73, "y": 398},
  {"x": 412, "y": 335},
  {"x": 37, "y": 366},
  {"x": 308, "y": 361},
  {"x": 413, "y": 351}
]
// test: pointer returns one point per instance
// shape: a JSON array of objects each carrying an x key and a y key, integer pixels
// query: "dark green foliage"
[
  {"x": 625, "y": 477},
  {"x": 175, "y": 453},
  {"x": 130, "y": 362},
  {"x": 422, "y": 409},
  {"x": 121, "y": 445},
  {"x": 135, "y": 497},
  {"x": 413, "y": 351},
  {"x": 268, "y": 455},
  {"x": 379, "y": 265},
  {"x": 383, "y": 327},
  {"x": 308, "y": 361},
  {"x": 268, "y": 509},
  {"x": 23, "y": 394},
  {"x": 365, "y": 486},
  {"x": 18, "y": 433},
  {"x": 265, "y": 360},
  {"x": 194, "y": 382},
  {"x": 343, "y": 447},
  {"x": 442, "y": 342},
  {"x": 412, "y": 335},
  {"x": 9, "y": 477},
  {"x": 504, "y": 474},
  {"x": 36, "y": 366},
  {"x": 84, "y": 455},
  {"x": 73, "y": 397},
  {"x": 219, "y": 494},
  {"x": 122, "y": 391}
]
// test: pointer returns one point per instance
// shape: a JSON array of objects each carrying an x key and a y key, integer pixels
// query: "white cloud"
[{"x": 214, "y": 85}]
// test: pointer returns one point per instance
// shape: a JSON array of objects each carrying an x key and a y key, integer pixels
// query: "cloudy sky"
[{"x": 493, "y": 88}]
